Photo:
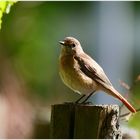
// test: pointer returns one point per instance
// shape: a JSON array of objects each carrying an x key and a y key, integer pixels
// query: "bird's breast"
[{"x": 73, "y": 77}]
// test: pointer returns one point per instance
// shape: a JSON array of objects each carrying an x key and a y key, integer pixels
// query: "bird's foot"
[
  {"x": 69, "y": 102},
  {"x": 78, "y": 103},
  {"x": 87, "y": 103}
]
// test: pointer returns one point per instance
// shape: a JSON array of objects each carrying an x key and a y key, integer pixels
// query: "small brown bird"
[{"x": 82, "y": 74}]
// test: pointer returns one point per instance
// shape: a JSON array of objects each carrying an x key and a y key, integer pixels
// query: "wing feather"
[{"x": 89, "y": 67}]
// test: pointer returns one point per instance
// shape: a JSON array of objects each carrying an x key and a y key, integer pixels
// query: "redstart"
[{"x": 82, "y": 74}]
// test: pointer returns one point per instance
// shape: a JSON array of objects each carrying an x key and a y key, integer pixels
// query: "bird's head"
[{"x": 70, "y": 45}]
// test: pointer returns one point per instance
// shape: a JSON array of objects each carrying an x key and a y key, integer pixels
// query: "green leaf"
[{"x": 5, "y": 8}]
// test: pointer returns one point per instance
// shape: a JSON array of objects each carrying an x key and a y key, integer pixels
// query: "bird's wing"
[{"x": 90, "y": 68}]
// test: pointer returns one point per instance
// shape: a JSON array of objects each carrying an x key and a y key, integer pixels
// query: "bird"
[{"x": 84, "y": 75}]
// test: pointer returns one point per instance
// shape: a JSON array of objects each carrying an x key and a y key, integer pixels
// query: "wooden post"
[
  {"x": 62, "y": 121},
  {"x": 77, "y": 121}
]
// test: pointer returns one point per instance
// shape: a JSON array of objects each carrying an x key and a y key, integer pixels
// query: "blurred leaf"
[
  {"x": 138, "y": 78},
  {"x": 5, "y": 8}
]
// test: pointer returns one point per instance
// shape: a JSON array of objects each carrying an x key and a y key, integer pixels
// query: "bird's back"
[{"x": 93, "y": 65}]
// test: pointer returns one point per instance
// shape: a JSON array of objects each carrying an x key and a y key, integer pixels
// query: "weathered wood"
[
  {"x": 110, "y": 123},
  {"x": 62, "y": 121},
  {"x": 85, "y": 121},
  {"x": 96, "y": 122}
]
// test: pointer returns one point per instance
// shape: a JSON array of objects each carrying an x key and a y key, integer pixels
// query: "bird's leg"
[
  {"x": 88, "y": 97},
  {"x": 80, "y": 98}
]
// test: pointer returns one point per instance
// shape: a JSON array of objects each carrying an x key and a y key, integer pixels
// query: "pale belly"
[{"x": 77, "y": 80}]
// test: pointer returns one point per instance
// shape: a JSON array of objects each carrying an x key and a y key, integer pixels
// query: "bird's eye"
[{"x": 73, "y": 45}]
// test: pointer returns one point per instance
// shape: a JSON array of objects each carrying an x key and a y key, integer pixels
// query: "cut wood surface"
[{"x": 78, "y": 121}]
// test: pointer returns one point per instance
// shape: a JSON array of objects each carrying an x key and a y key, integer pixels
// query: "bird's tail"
[{"x": 117, "y": 95}]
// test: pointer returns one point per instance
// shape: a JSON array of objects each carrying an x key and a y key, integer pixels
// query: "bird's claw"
[{"x": 86, "y": 103}]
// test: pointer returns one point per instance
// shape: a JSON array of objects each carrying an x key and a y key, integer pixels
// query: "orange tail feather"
[{"x": 116, "y": 94}]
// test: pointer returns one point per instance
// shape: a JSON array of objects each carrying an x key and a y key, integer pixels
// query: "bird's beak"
[{"x": 61, "y": 42}]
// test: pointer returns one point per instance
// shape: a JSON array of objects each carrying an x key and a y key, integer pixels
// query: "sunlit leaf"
[{"x": 5, "y": 8}]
